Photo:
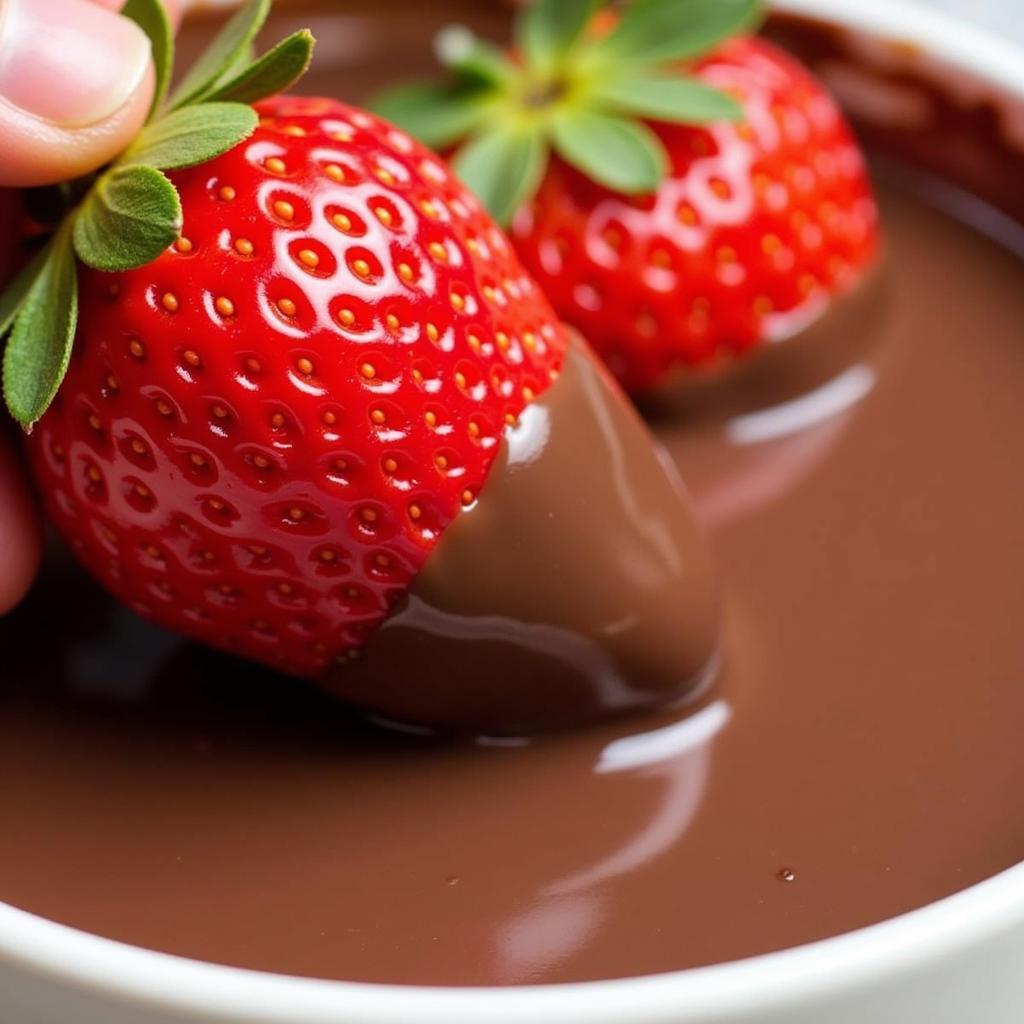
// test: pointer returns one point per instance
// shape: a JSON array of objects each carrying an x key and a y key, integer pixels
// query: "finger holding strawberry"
[
  {"x": 272, "y": 356},
  {"x": 75, "y": 90},
  {"x": 684, "y": 192}
]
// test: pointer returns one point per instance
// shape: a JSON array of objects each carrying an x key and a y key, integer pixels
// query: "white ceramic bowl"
[{"x": 958, "y": 961}]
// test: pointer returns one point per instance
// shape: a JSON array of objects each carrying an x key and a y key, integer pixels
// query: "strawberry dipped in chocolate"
[
  {"x": 685, "y": 193},
  {"x": 297, "y": 398}
]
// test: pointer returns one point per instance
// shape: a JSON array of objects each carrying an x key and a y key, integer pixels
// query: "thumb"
[{"x": 76, "y": 83}]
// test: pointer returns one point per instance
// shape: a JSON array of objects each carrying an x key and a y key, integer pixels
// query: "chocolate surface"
[
  {"x": 578, "y": 587},
  {"x": 864, "y": 735},
  {"x": 859, "y": 756}
]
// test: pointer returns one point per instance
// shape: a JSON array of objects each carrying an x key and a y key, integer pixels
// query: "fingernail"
[{"x": 70, "y": 62}]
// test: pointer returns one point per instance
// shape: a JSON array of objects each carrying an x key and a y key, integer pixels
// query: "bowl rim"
[{"x": 53, "y": 954}]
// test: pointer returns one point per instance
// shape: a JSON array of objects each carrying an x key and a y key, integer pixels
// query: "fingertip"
[
  {"x": 37, "y": 152},
  {"x": 76, "y": 84}
]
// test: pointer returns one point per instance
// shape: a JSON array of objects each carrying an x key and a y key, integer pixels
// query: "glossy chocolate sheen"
[
  {"x": 578, "y": 587},
  {"x": 859, "y": 756}
]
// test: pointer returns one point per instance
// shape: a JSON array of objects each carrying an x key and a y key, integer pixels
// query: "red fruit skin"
[
  {"x": 758, "y": 224},
  {"x": 263, "y": 433}
]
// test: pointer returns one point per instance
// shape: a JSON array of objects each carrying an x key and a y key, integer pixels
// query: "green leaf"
[
  {"x": 242, "y": 60},
  {"x": 276, "y": 71},
  {"x": 620, "y": 154},
  {"x": 439, "y": 114},
  {"x": 39, "y": 349},
  {"x": 131, "y": 215},
  {"x": 548, "y": 30},
  {"x": 660, "y": 30},
  {"x": 472, "y": 58},
  {"x": 504, "y": 168},
  {"x": 15, "y": 292},
  {"x": 222, "y": 54},
  {"x": 667, "y": 98},
  {"x": 191, "y": 136},
  {"x": 151, "y": 17}
]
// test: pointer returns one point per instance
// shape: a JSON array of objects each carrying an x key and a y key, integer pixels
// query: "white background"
[{"x": 1005, "y": 16}]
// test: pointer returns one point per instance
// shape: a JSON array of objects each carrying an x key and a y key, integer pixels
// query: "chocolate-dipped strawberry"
[
  {"x": 684, "y": 194},
  {"x": 317, "y": 414}
]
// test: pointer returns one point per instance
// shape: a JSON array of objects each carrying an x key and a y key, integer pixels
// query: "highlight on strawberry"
[
  {"x": 682, "y": 190},
  {"x": 263, "y": 386}
]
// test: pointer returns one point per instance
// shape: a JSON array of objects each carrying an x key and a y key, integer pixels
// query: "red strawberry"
[
  {"x": 756, "y": 226},
  {"x": 263, "y": 431},
  {"x": 682, "y": 238}
]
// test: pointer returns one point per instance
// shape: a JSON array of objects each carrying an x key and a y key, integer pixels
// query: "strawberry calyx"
[
  {"x": 581, "y": 83},
  {"x": 128, "y": 213}
]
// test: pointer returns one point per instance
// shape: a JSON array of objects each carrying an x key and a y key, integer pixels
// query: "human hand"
[{"x": 76, "y": 83}]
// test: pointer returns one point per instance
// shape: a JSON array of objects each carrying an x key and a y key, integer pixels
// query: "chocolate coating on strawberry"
[
  {"x": 579, "y": 587},
  {"x": 263, "y": 433}
]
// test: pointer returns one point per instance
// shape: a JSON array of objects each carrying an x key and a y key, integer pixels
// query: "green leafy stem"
[
  {"x": 128, "y": 214},
  {"x": 574, "y": 89}
]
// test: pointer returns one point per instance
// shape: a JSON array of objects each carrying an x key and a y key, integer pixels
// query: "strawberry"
[
  {"x": 682, "y": 191},
  {"x": 263, "y": 431}
]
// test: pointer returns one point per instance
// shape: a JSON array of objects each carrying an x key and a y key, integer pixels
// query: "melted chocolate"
[
  {"x": 578, "y": 587},
  {"x": 864, "y": 734},
  {"x": 859, "y": 756}
]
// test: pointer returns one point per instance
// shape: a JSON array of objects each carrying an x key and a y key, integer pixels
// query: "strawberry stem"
[{"x": 582, "y": 85}]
